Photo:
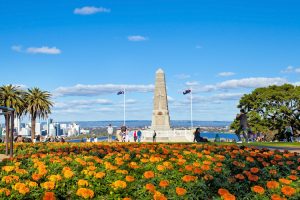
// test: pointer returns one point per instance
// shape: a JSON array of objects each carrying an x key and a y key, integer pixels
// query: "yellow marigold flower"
[
  {"x": 10, "y": 179},
  {"x": 21, "y": 188},
  {"x": 68, "y": 173},
  {"x": 5, "y": 191},
  {"x": 160, "y": 167},
  {"x": 85, "y": 193},
  {"x": 8, "y": 168},
  {"x": 180, "y": 191},
  {"x": 119, "y": 184},
  {"x": 49, "y": 196},
  {"x": 82, "y": 183},
  {"x": 100, "y": 175},
  {"x": 129, "y": 178},
  {"x": 32, "y": 184},
  {"x": 49, "y": 185},
  {"x": 54, "y": 178}
]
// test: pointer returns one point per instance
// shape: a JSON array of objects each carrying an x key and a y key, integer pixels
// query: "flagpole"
[
  {"x": 124, "y": 107},
  {"x": 191, "y": 108}
]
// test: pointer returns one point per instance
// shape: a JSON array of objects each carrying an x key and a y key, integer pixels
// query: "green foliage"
[{"x": 272, "y": 108}]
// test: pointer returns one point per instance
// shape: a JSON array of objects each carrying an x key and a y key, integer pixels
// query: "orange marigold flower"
[
  {"x": 164, "y": 183},
  {"x": 277, "y": 197},
  {"x": 205, "y": 167},
  {"x": 159, "y": 196},
  {"x": 129, "y": 178},
  {"x": 119, "y": 184},
  {"x": 240, "y": 176},
  {"x": 222, "y": 192},
  {"x": 49, "y": 196},
  {"x": 293, "y": 177},
  {"x": 49, "y": 185},
  {"x": 32, "y": 184},
  {"x": 288, "y": 191},
  {"x": 100, "y": 175},
  {"x": 36, "y": 177},
  {"x": 82, "y": 183},
  {"x": 21, "y": 188},
  {"x": 188, "y": 178},
  {"x": 208, "y": 177},
  {"x": 272, "y": 185},
  {"x": 273, "y": 172},
  {"x": 149, "y": 174},
  {"x": 180, "y": 191},
  {"x": 8, "y": 168},
  {"x": 5, "y": 191},
  {"x": 285, "y": 181},
  {"x": 258, "y": 189},
  {"x": 253, "y": 178},
  {"x": 229, "y": 197},
  {"x": 126, "y": 198},
  {"x": 150, "y": 187},
  {"x": 85, "y": 193},
  {"x": 254, "y": 170}
]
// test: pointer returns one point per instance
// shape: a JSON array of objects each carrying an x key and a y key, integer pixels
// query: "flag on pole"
[
  {"x": 120, "y": 92},
  {"x": 187, "y": 92}
]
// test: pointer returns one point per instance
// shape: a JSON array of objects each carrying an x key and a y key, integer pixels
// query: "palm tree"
[
  {"x": 12, "y": 97},
  {"x": 38, "y": 104}
]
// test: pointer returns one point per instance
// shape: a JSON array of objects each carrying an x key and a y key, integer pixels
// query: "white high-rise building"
[
  {"x": 38, "y": 129},
  {"x": 17, "y": 124}
]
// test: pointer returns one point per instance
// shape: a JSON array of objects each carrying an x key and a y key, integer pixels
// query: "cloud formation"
[
  {"x": 89, "y": 10},
  {"x": 95, "y": 90},
  {"x": 291, "y": 69},
  {"x": 225, "y": 74},
  {"x": 43, "y": 50},
  {"x": 136, "y": 38}
]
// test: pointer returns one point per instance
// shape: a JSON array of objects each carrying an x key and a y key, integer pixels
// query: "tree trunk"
[
  {"x": 7, "y": 133},
  {"x": 33, "y": 128}
]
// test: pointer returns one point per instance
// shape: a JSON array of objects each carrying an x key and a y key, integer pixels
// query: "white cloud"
[
  {"x": 228, "y": 96},
  {"x": 17, "y": 48},
  {"x": 81, "y": 103},
  {"x": 291, "y": 69},
  {"x": 136, "y": 38},
  {"x": 94, "y": 90},
  {"x": 170, "y": 99},
  {"x": 192, "y": 83},
  {"x": 226, "y": 74},
  {"x": 43, "y": 50},
  {"x": 89, "y": 10},
  {"x": 182, "y": 76}
]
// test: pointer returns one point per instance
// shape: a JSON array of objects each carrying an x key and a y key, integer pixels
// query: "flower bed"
[{"x": 148, "y": 171}]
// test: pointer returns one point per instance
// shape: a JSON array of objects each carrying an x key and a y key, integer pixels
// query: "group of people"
[{"x": 125, "y": 135}]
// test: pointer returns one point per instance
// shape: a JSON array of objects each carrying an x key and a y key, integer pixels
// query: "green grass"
[{"x": 266, "y": 144}]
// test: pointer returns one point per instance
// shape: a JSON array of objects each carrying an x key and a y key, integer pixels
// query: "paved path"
[
  {"x": 3, "y": 156},
  {"x": 291, "y": 149}
]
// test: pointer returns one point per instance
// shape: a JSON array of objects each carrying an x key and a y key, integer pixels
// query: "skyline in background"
[{"x": 86, "y": 51}]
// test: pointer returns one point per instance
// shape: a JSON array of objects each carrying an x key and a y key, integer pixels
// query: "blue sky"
[{"x": 84, "y": 51}]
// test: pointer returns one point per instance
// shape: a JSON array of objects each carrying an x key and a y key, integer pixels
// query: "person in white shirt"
[{"x": 110, "y": 131}]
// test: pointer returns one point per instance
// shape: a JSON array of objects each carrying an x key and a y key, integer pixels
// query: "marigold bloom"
[
  {"x": 272, "y": 185},
  {"x": 258, "y": 189},
  {"x": 49, "y": 196},
  {"x": 129, "y": 178},
  {"x": 288, "y": 191},
  {"x": 8, "y": 168},
  {"x": 85, "y": 193},
  {"x": 188, "y": 178},
  {"x": 126, "y": 198},
  {"x": 240, "y": 176},
  {"x": 159, "y": 196},
  {"x": 48, "y": 185},
  {"x": 253, "y": 178},
  {"x": 164, "y": 183},
  {"x": 68, "y": 173},
  {"x": 285, "y": 181},
  {"x": 119, "y": 184},
  {"x": 100, "y": 175},
  {"x": 5, "y": 191},
  {"x": 229, "y": 197},
  {"x": 149, "y": 174},
  {"x": 277, "y": 197},
  {"x": 21, "y": 188},
  {"x": 32, "y": 184},
  {"x": 36, "y": 177},
  {"x": 293, "y": 177},
  {"x": 150, "y": 187},
  {"x": 82, "y": 183},
  {"x": 180, "y": 191},
  {"x": 254, "y": 170},
  {"x": 222, "y": 192}
]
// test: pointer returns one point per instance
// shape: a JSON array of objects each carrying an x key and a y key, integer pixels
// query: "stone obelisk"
[{"x": 160, "y": 115}]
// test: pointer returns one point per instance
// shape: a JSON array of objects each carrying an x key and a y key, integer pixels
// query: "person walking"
[
  {"x": 154, "y": 136},
  {"x": 242, "y": 117},
  {"x": 110, "y": 131},
  {"x": 288, "y": 133},
  {"x": 135, "y": 136},
  {"x": 139, "y": 135}
]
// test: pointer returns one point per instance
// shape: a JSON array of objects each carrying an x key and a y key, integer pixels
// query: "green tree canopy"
[{"x": 272, "y": 108}]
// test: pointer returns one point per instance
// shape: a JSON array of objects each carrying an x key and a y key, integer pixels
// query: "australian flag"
[
  {"x": 120, "y": 92},
  {"x": 187, "y": 92}
]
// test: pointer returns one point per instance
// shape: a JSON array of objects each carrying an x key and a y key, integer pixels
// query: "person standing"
[
  {"x": 242, "y": 117},
  {"x": 139, "y": 135},
  {"x": 135, "y": 136},
  {"x": 110, "y": 131},
  {"x": 288, "y": 133},
  {"x": 154, "y": 136}
]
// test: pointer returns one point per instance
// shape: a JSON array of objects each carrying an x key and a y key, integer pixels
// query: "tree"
[
  {"x": 11, "y": 97},
  {"x": 38, "y": 105},
  {"x": 272, "y": 108}
]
